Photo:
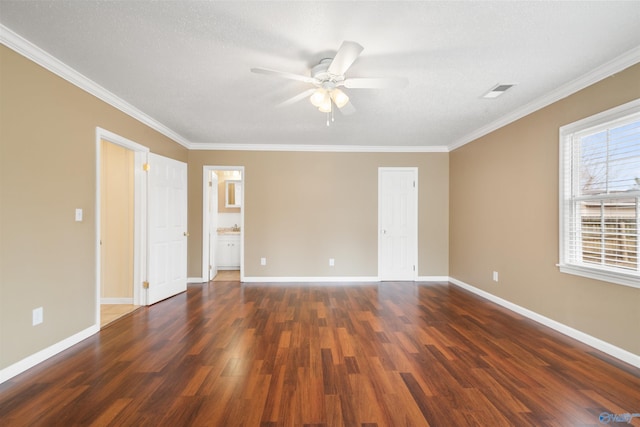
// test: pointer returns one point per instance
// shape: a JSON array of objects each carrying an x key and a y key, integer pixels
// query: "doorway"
[
  {"x": 120, "y": 225},
  {"x": 223, "y": 223},
  {"x": 398, "y": 223},
  {"x": 116, "y": 231}
]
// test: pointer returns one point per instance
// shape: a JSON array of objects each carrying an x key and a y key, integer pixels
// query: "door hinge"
[
  {"x": 145, "y": 285},
  {"x": 210, "y": 267},
  {"x": 210, "y": 183},
  {"x": 414, "y": 268},
  {"x": 146, "y": 167},
  {"x": 414, "y": 184}
]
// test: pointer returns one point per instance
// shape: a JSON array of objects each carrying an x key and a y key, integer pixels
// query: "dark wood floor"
[{"x": 389, "y": 354}]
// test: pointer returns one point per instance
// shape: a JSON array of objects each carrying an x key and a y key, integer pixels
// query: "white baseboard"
[
  {"x": 306, "y": 279},
  {"x": 116, "y": 300},
  {"x": 432, "y": 279},
  {"x": 321, "y": 279},
  {"x": 39, "y": 357},
  {"x": 610, "y": 349}
]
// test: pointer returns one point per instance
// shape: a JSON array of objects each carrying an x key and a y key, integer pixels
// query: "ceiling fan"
[{"x": 328, "y": 77}]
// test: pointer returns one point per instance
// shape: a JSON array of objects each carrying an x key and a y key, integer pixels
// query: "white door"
[
  {"x": 398, "y": 227},
  {"x": 167, "y": 195}
]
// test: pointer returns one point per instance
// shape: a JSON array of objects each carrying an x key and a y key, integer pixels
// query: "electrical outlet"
[
  {"x": 495, "y": 276},
  {"x": 78, "y": 215},
  {"x": 37, "y": 316},
  {"x": 263, "y": 261},
  {"x": 332, "y": 262}
]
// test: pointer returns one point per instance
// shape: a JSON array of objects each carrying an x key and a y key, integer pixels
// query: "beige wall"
[
  {"x": 504, "y": 217},
  {"x": 302, "y": 208},
  {"x": 47, "y": 170}
]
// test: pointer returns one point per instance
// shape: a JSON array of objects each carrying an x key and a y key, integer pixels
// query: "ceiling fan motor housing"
[{"x": 326, "y": 80}]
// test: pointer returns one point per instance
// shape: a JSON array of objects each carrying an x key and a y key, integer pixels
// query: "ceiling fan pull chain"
[{"x": 328, "y": 122}]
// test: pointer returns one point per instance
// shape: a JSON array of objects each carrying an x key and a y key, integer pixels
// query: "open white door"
[
  {"x": 398, "y": 227},
  {"x": 167, "y": 195}
]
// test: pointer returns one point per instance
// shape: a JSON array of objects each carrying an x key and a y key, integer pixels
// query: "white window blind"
[{"x": 600, "y": 196}]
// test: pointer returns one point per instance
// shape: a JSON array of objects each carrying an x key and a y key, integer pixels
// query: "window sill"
[{"x": 606, "y": 276}]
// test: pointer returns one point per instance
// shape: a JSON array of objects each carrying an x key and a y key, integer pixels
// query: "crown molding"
[
  {"x": 319, "y": 148},
  {"x": 614, "y": 66},
  {"x": 27, "y": 49}
]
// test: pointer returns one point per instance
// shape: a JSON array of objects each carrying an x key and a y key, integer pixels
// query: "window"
[{"x": 600, "y": 196}]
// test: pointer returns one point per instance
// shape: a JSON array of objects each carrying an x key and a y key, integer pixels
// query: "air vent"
[{"x": 498, "y": 90}]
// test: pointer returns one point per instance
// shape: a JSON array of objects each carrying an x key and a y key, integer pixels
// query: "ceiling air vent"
[{"x": 498, "y": 90}]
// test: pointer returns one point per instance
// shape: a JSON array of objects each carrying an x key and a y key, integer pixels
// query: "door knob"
[{"x": 185, "y": 234}]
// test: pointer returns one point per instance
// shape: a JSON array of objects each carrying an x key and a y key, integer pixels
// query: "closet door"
[{"x": 398, "y": 226}]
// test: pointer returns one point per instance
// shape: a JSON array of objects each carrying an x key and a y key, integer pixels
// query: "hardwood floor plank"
[
  {"x": 111, "y": 412},
  {"x": 387, "y": 354}
]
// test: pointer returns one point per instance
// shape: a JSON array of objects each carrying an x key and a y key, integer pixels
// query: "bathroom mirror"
[{"x": 233, "y": 194}]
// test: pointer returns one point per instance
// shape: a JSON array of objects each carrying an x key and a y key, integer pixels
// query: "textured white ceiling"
[{"x": 186, "y": 63}]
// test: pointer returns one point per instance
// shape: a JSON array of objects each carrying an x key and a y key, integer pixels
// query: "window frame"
[{"x": 567, "y": 203}]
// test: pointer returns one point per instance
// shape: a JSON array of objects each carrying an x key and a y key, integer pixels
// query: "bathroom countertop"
[{"x": 228, "y": 231}]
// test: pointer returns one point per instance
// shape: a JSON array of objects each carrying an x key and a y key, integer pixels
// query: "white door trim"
[
  {"x": 140, "y": 214},
  {"x": 206, "y": 170},
  {"x": 413, "y": 244}
]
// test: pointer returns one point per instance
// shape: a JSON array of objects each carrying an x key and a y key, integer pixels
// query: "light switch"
[
  {"x": 37, "y": 316},
  {"x": 78, "y": 215}
]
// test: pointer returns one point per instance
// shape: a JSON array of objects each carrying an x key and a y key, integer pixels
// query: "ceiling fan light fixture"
[
  {"x": 339, "y": 98},
  {"x": 319, "y": 97},
  {"x": 327, "y": 76},
  {"x": 326, "y": 106}
]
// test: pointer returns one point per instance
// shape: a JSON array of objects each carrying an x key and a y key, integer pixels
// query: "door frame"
[
  {"x": 139, "y": 215},
  {"x": 414, "y": 239},
  {"x": 206, "y": 171}
]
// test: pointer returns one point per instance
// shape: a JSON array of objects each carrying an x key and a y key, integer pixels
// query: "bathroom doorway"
[{"x": 223, "y": 220}]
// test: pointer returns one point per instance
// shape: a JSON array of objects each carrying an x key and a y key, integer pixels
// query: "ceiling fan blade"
[
  {"x": 374, "y": 83},
  {"x": 298, "y": 97},
  {"x": 284, "y": 74},
  {"x": 346, "y": 55},
  {"x": 348, "y": 109}
]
